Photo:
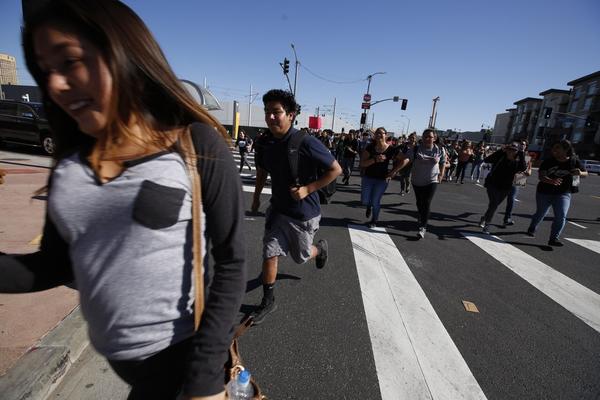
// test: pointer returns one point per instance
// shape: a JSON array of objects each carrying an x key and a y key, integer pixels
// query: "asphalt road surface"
[{"x": 387, "y": 318}]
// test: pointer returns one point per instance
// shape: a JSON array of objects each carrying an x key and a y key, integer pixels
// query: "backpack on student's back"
[{"x": 293, "y": 147}]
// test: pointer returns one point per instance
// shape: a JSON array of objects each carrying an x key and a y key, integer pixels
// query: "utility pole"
[
  {"x": 433, "y": 113},
  {"x": 250, "y": 107},
  {"x": 295, "y": 69},
  {"x": 373, "y": 121},
  {"x": 333, "y": 119}
]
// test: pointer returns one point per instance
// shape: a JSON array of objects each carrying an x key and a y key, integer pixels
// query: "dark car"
[{"x": 25, "y": 123}]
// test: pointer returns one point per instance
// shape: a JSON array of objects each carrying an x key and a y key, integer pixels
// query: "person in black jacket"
[
  {"x": 506, "y": 163},
  {"x": 119, "y": 211}
]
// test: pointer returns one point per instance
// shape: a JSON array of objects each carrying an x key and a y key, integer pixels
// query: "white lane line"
[
  {"x": 250, "y": 189},
  {"x": 581, "y": 301},
  {"x": 592, "y": 245},
  {"x": 577, "y": 225},
  {"x": 414, "y": 354}
]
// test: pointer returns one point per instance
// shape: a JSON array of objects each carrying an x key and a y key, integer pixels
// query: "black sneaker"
[
  {"x": 368, "y": 212},
  {"x": 321, "y": 258},
  {"x": 265, "y": 308},
  {"x": 555, "y": 242},
  {"x": 530, "y": 233}
]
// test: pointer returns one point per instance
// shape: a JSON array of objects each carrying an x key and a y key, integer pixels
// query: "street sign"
[
  {"x": 367, "y": 98},
  {"x": 366, "y": 106}
]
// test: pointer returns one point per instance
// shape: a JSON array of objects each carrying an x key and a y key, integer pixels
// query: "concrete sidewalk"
[{"x": 39, "y": 332}]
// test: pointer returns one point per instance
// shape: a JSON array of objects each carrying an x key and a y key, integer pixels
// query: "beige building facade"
[{"x": 8, "y": 70}]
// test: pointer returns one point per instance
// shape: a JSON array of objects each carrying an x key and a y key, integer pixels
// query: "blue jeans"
[
  {"x": 372, "y": 191},
  {"x": 560, "y": 206},
  {"x": 476, "y": 167},
  {"x": 510, "y": 202}
]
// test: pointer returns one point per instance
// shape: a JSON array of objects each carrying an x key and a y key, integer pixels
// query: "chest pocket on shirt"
[{"x": 157, "y": 206}]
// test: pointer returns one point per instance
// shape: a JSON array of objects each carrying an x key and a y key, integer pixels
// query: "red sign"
[
  {"x": 366, "y": 106},
  {"x": 367, "y": 98},
  {"x": 314, "y": 122}
]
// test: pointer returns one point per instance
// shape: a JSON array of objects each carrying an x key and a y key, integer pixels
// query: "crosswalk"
[
  {"x": 408, "y": 336},
  {"x": 415, "y": 355}
]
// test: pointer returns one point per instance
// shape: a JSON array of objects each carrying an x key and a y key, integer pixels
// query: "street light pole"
[
  {"x": 295, "y": 69},
  {"x": 369, "y": 77}
]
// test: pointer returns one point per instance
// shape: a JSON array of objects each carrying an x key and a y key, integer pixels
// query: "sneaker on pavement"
[
  {"x": 321, "y": 258},
  {"x": 421, "y": 232},
  {"x": 477, "y": 181},
  {"x": 555, "y": 242},
  {"x": 530, "y": 233},
  {"x": 509, "y": 222},
  {"x": 486, "y": 229},
  {"x": 372, "y": 224},
  {"x": 265, "y": 308},
  {"x": 368, "y": 212},
  {"x": 482, "y": 222}
]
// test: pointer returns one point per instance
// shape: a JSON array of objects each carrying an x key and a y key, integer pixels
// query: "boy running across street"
[{"x": 293, "y": 216}]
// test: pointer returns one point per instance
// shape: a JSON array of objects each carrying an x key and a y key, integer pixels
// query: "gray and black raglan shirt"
[{"x": 129, "y": 242}]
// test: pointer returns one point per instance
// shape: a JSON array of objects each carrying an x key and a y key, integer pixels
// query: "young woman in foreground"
[{"x": 119, "y": 201}]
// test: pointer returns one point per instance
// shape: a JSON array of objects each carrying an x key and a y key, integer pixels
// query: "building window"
[
  {"x": 592, "y": 88},
  {"x": 588, "y": 104},
  {"x": 577, "y": 136},
  {"x": 574, "y": 106},
  {"x": 580, "y": 123},
  {"x": 567, "y": 123},
  {"x": 577, "y": 92}
]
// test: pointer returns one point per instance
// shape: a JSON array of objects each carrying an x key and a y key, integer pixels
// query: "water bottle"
[{"x": 240, "y": 388}]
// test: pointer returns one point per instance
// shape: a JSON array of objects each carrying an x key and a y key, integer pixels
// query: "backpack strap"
[{"x": 293, "y": 147}]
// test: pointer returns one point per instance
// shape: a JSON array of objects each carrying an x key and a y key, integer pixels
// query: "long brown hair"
[{"x": 144, "y": 85}]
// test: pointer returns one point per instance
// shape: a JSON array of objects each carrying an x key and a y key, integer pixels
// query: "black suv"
[{"x": 25, "y": 123}]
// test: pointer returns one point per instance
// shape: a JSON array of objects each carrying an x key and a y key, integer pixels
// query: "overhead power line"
[{"x": 330, "y": 80}]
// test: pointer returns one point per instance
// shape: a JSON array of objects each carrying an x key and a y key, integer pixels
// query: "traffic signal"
[
  {"x": 547, "y": 112},
  {"x": 363, "y": 118},
  {"x": 404, "y": 103},
  {"x": 286, "y": 66}
]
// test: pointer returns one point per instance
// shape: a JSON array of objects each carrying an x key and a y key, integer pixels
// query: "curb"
[{"x": 36, "y": 373}]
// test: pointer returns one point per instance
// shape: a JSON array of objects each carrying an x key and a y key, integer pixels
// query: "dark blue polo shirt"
[{"x": 313, "y": 156}]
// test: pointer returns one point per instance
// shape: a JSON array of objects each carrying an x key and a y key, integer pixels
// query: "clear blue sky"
[{"x": 478, "y": 56}]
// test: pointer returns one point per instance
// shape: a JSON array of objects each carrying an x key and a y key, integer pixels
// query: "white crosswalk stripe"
[
  {"x": 579, "y": 300},
  {"x": 406, "y": 333},
  {"x": 592, "y": 245}
]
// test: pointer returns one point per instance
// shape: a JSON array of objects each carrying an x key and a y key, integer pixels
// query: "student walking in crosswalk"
[
  {"x": 244, "y": 144},
  {"x": 519, "y": 181},
  {"x": 506, "y": 163},
  {"x": 559, "y": 177},
  {"x": 428, "y": 163},
  {"x": 375, "y": 159}
]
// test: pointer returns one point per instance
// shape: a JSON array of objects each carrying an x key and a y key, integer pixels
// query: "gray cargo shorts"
[{"x": 285, "y": 235}]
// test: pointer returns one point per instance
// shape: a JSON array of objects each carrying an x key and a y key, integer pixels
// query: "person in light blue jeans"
[
  {"x": 375, "y": 160},
  {"x": 559, "y": 177},
  {"x": 560, "y": 207}
]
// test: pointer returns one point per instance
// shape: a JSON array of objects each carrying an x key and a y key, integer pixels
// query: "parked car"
[
  {"x": 592, "y": 166},
  {"x": 25, "y": 123}
]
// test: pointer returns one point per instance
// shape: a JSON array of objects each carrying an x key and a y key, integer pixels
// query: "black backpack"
[{"x": 293, "y": 147}]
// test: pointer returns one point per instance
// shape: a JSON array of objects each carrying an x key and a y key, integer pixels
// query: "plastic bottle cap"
[{"x": 244, "y": 377}]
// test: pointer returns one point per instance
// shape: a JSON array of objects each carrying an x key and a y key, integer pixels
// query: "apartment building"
[
  {"x": 525, "y": 119},
  {"x": 8, "y": 70},
  {"x": 572, "y": 114},
  {"x": 583, "y": 115}
]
